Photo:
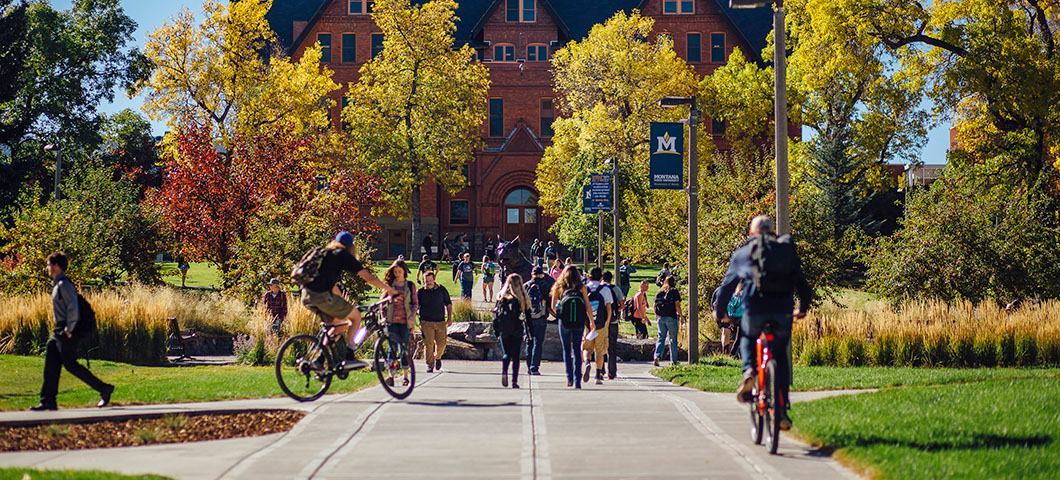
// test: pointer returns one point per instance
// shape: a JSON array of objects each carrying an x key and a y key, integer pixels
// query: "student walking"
[
  {"x": 465, "y": 271},
  {"x": 572, "y": 308},
  {"x": 539, "y": 254},
  {"x": 551, "y": 254},
  {"x": 401, "y": 311},
  {"x": 661, "y": 277},
  {"x": 612, "y": 326},
  {"x": 537, "y": 290},
  {"x": 436, "y": 315},
  {"x": 447, "y": 249},
  {"x": 624, "y": 272},
  {"x": 639, "y": 310},
  {"x": 426, "y": 266},
  {"x": 428, "y": 246},
  {"x": 61, "y": 350},
  {"x": 510, "y": 315},
  {"x": 600, "y": 299},
  {"x": 667, "y": 311},
  {"x": 275, "y": 302},
  {"x": 557, "y": 268},
  {"x": 768, "y": 297},
  {"x": 489, "y": 272}
]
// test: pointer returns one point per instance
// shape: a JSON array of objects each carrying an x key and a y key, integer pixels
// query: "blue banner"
[{"x": 667, "y": 148}]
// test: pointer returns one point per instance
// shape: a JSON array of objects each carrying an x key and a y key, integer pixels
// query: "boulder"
[
  {"x": 632, "y": 349},
  {"x": 460, "y": 350},
  {"x": 470, "y": 330},
  {"x": 553, "y": 350}
]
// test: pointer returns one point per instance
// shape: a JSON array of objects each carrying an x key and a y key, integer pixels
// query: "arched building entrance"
[{"x": 521, "y": 216}]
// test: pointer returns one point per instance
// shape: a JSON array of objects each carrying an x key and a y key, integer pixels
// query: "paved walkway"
[{"x": 461, "y": 424}]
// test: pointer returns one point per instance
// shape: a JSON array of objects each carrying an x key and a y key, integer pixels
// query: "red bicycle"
[{"x": 766, "y": 393}]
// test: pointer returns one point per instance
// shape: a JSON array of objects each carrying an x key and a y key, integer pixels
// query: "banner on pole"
[
  {"x": 667, "y": 148},
  {"x": 596, "y": 196}
]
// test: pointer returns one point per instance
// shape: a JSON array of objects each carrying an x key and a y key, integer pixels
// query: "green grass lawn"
[
  {"x": 33, "y": 474},
  {"x": 20, "y": 382},
  {"x": 200, "y": 274},
  {"x": 986, "y": 429}
]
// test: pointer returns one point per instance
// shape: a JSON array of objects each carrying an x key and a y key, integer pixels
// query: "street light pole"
[
  {"x": 780, "y": 114},
  {"x": 616, "y": 204},
  {"x": 693, "y": 234}
]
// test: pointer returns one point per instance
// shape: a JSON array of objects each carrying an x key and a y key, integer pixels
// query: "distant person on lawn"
[
  {"x": 640, "y": 311},
  {"x": 324, "y": 296},
  {"x": 426, "y": 266},
  {"x": 464, "y": 270},
  {"x": 489, "y": 275},
  {"x": 428, "y": 245},
  {"x": 436, "y": 315},
  {"x": 183, "y": 266},
  {"x": 275, "y": 302},
  {"x": 62, "y": 345},
  {"x": 623, "y": 276}
]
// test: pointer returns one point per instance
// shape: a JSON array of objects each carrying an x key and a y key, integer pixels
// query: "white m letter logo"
[{"x": 667, "y": 144}]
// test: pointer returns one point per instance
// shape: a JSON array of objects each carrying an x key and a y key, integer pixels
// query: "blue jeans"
[
  {"x": 751, "y": 328},
  {"x": 400, "y": 330},
  {"x": 625, "y": 290},
  {"x": 511, "y": 347},
  {"x": 465, "y": 288},
  {"x": 667, "y": 327},
  {"x": 571, "y": 340},
  {"x": 536, "y": 345}
]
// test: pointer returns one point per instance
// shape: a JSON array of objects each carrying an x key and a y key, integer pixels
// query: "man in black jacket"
[{"x": 62, "y": 346}]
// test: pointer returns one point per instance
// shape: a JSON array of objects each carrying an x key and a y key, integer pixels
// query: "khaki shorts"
[
  {"x": 328, "y": 305},
  {"x": 598, "y": 344}
]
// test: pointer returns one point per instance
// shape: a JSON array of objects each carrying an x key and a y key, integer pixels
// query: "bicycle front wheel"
[
  {"x": 772, "y": 395},
  {"x": 304, "y": 368},
  {"x": 394, "y": 367},
  {"x": 757, "y": 421}
]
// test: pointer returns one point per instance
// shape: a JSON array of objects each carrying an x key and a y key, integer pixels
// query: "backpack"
[
  {"x": 629, "y": 309},
  {"x": 661, "y": 277},
  {"x": 86, "y": 321},
  {"x": 307, "y": 269},
  {"x": 774, "y": 264},
  {"x": 623, "y": 276},
  {"x": 537, "y": 301},
  {"x": 663, "y": 306},
  {"x": 506, "y": 316},
  {"x": 595, "y": 297},
  {"x": 571, "y": 310}
]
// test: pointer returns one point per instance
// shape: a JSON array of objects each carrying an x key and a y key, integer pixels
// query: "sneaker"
[
  {"x": 785, "y": 420},
  {"x": 570, "y": 383},
  {"x": 599, "y": 380},
  {"x": 588, "y": 370},
  {"x": 743, "y": 394},
  {"x": 504, "y": 379},
  {"x": 535, "y": 372},
  {"x": 104, "y": 396},
  {"x": 655, "y": 362},
  {"x": 404, "y": 382},
  {"x": 438, "y": 365},
  {"x": 514, "y": 385},
  {"x": 430, "y": 369},
  {"x": 44, "y": 407},
  {"x": 352, "y": 362}
]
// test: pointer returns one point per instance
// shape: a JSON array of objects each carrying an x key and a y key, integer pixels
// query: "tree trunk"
[{"x": 417, "y": 227}]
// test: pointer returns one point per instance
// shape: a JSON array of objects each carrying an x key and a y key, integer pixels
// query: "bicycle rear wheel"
[
  {"x": 772, "y": 396},
  {"x": 303, "y": 368},
  {"x": 394, "y": 366}
]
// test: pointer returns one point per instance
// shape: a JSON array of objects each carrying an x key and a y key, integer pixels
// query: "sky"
[{"x": 151, "y": 14}]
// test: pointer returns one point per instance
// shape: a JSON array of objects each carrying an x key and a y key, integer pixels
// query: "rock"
[
  {"x": 484, "y": 339},
  {"x": 469, "y": 330},
  {"x": 460, "y": 350},
  {"x": 632, "y": 349},
  {"x": 553, "y": 350}
]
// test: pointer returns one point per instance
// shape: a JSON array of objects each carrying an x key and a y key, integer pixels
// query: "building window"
[
  {"x": 521, "y": 10},
  {"x": 537, "y": 53},
  {"x": 357, "y": 7},
  {"x": 349, "y": 48},
  {"x": 504, "y": 53},
  {"x": 324, "y": 39},
  {"x": 717, "y": 47},
  {"x": 548, "y": 115},
  {"x": 377, "y": 44},
  {"x": 459, "y": 212},
  {"x": 693, "y": 52},
  {"x": 496, "y": 117},
  {"x": 684, "y": 7}
]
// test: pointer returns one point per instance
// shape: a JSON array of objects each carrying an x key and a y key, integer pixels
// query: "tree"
[
  {"x": 609, "y": 87},
  {"x": 57, "y": 68},
  {"x": 417, "y": 110},
  {"x": 130, "y": 149},
  {"x": 218, "y": 74}
]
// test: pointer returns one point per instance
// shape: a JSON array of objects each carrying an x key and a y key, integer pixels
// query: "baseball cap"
[
  {"x": 274, "y": 281},
  {"x": 345, "y": 238}
]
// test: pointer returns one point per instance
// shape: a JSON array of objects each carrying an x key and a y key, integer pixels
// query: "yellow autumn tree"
[{"x": 218, "y": 72}]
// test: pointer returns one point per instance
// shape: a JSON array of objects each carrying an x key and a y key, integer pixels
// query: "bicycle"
[
  {"x": 305, "y": 364},
  {"x": 766, "y": 393}
]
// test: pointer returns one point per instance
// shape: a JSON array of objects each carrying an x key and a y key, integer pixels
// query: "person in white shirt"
[{"x": 600, "y": 299}]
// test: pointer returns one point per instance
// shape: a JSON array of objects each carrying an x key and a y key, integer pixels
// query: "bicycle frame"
[{"x": 763, "y": 353}]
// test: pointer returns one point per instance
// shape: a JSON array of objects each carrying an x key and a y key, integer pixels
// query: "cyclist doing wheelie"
[
  {"x": 770, "y": 271},
  {"x": 319, "y": 272}
]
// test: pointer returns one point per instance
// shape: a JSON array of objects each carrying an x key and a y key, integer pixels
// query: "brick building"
[{"x": 515, "y": 39}]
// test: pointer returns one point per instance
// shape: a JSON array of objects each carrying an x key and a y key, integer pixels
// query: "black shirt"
[
  {"x": 427, "y": 266},
  {"x": 428, "y": 242},
  {"x": 433, "y": 302},
  {"x": 331, "y": 267}
]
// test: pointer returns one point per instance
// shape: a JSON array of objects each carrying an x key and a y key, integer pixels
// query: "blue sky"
[{"x": 151, "y": 14}]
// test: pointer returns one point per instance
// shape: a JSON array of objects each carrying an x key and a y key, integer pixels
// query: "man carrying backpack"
[
  {"x": 537, "y": 290},
  {"x": 624, "y": 272},
  {"x": 612, "y": 327},
  {"x": 771, "y": 273},
  {"x": 73, "y": 321},
  {"x": 600, "y": 299}
]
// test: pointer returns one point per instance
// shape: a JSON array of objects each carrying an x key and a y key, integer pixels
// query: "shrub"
[
  {"x": 962, "y": 352},
  {"x": 1026, "y": 350},
  {"x": 881, "y": 351},
  {"x": 812, "y": 355},
  {"x": 829, "y": 350},
  {"x": 852, "y": 352},
  {"x": 936, "y": 351},
  {"x": 1006, "y": 350},
  {"x": 985, "y": 351},
  {"x": 910, "y": 351}
]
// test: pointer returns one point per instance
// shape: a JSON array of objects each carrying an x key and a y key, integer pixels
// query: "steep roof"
[{"x": 575, "y": 17}]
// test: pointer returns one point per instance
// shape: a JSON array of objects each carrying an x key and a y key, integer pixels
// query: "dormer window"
[
  {"x": 522, "y": 10},
  {"x": 679, "y": 7},
  {"x": 358, "y": 7}
]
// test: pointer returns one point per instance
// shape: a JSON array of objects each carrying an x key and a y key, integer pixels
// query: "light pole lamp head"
[
  {"x": 675, "y": 101},
  {"x": 51, "y": 147},
  {"x": 748, "y": 3}
]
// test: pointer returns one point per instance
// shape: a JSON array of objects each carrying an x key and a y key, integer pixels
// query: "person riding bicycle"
[
  {"x": 322, "y": 294},
  {"x": 771, "y": 272}
]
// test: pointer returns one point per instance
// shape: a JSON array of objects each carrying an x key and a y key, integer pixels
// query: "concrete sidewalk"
[{"x": 460, "y": 423}]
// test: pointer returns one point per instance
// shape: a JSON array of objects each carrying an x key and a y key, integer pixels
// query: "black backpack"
[
  {"x": 506, "y": 316},
  {"x": 629, "y": 309},
  {"x": 664, "y": 307},
  {"x": 598, "y": 298},
  {"x": 623, "y": 276},
  {"x": 774, "y": 264},
  {"x": 537, "y": 300},
  {"x": 307, "y": 269},
  {"x": 86, "y": 321},
  {"x": 571, "y": 310}
]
